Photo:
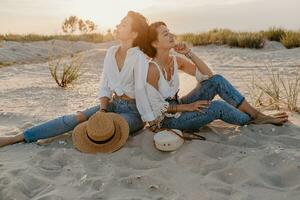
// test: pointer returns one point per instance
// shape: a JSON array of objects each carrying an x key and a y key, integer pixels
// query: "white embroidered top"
[
  {"x": 132, "y": 81},
  {"x": 168, "y": 88},
  {"x": 156, "y": 98}
]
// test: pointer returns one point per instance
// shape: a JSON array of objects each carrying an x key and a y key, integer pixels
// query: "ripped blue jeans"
[
  {"x": 226, "y": 110},
  {"x": 66, "y": 123}
]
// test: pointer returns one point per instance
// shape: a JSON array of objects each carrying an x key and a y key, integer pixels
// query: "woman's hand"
[
  {"x": 181, "y": 48},
  {"x": 153, "y": 125},
  {"x": 197, "y": 105}
]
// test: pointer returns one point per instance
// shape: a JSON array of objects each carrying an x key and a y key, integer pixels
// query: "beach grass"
[
  {"x": 274, "y": 33},
  {"x": 276, "y": 91},
  {"x": 291, "y": 39},
  {"x": 87, "y": 37},
  {"x": 255, "y": 40},
  {"x": 66, "y": 69}
]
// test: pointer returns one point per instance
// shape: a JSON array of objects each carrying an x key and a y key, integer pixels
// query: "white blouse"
[
  {"x": 156, "y": 105},
  {"x": 114, "y": 80},
  {"x": 168, "y": 88},
  {"x": 132, "y": 81}
]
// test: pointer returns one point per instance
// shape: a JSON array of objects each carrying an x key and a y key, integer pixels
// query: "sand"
[{"x": 236, "y": 163}]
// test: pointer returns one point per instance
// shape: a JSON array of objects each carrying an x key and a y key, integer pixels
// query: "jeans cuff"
[
  {"x": 243, "y": 98},
  {"x": 27, "y": 137}
]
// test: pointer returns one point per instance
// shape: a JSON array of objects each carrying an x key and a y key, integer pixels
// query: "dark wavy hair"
[
  {"x": 153, "y": 36},
  {"x": 141, "y": 26}
]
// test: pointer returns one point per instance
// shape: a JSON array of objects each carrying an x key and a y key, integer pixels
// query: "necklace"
[{"x": 170, "y": 70}]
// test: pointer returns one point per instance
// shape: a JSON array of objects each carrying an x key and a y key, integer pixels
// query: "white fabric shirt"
[
  {"x": 168, "y": 88},
  {"x": 152, "y": 104},
  {"x": 113, "y": 80},
  {"x": 131, "y": 80}
]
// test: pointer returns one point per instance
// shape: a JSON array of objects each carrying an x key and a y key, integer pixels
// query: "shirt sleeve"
[
  {"x": 104, "y": 90},
  {"x": 140, "y": 80}
]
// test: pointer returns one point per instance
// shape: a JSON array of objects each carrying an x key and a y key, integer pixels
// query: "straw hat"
[{"x": 102, "y": 133}]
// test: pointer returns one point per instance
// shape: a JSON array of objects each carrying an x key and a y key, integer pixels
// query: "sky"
[{"x": 181, "y": 16}]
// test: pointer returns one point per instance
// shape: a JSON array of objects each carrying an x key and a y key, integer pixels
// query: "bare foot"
[
  {"x": 276, "y": 119},
  {"x": 280, "y": 115}
]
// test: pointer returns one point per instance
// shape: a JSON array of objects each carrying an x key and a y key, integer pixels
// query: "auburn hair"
[
  {"x": 153, "y": 36},
  {"x": 141, "y": 26}
]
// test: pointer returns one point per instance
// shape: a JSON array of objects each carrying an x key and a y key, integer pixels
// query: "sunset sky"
[{"x": 46, "y": 16}]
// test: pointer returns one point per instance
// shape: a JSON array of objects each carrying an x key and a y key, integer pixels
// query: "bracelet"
[
  {"x": 173, "y": 108},
  {"x": 189, "y": 54}
]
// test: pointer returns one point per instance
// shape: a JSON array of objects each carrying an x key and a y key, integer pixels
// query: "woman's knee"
[
  {"x": 217, "y": 78},
  {"x": 217, "y": 104}
]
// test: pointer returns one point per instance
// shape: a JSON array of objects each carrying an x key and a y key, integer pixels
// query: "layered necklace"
[{"x": 167, "y": 69}]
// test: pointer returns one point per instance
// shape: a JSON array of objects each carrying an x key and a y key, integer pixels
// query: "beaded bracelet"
[{"x": 189, "y": 54}]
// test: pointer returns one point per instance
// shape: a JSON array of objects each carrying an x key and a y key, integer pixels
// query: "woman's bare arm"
[{"x": 190, "y": 66}]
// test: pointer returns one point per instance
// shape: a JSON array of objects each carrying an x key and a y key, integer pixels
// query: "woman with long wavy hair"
[
  {"x": 197, "y": 108},
  {"x": 117, "y": 85}
]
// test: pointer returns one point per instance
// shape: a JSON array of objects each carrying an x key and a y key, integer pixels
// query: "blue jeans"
[
  {"x": 66, "y": 123},
  {"x": 226, "y": 110}
]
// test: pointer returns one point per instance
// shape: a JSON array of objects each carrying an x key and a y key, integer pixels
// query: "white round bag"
[{"x": 167, "y": 140}]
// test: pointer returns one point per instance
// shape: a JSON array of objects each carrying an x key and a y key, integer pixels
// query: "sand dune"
[{"x": 237, "y": 163}]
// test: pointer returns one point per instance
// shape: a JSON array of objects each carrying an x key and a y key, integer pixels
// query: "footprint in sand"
[
  {"x": 141, "y": 163},
  {"x": 209, "y": 168},
  {"x": 286, "y": 177},
  {"x": 26, "y": 186},
  {"x": 273, "y": 160},
  {"x": 50, "y": 162},
  {"x": 148, "y": 184},
  {"x": 190, "y": 161},
  {"x": 231, "y": 175},
  {"x": 288, "y": 142},
  {"x": 218, "y": 151},
  {"x": 93, "y": 196},
  {"x": 50, "y": 197},
  {"x": 12, "y": 120},
  {"x": 135, "y": 159}
]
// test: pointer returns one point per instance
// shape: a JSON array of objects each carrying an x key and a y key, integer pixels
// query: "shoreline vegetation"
[
  {"x": 289, "y": 38},
  {"x": 86, "y": 37},
  {"x": 256, "y": 40},
  {"x": 276, "y": 92}
]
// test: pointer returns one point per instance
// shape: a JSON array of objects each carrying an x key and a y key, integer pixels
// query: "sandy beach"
[{"x": 235, "y": 163}]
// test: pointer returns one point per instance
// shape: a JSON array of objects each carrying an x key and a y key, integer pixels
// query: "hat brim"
[{"x": 84, "y": 144}]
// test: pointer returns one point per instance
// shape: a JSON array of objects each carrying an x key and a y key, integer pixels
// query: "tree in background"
[{"x": 73, "y": 23}]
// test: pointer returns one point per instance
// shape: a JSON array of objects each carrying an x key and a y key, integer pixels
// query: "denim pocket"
[{"x": 123, "y": 106}]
